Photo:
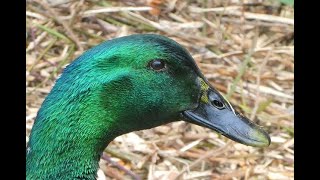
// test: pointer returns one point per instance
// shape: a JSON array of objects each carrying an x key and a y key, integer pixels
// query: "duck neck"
[{"x": 68, "y": 138}]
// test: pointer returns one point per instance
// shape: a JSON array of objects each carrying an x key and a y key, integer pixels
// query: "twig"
[
  {"x": 215, "y": 152},
  {"x": 51, "y": 43},
  {"x": 116, "y": 9},
  {"x": 35, "y": 15},
  {"x": 75, "y": 10},
  {"x": 127, "y": 171},
  {"x": 218, "y": 9},
  {"x": 53, "y": 15},
  {"x": 243, "y": 68},
  {"x": 268, "y": 90},
  {"x": 35, "y": 41},
  {"x": 52, "y": 32},
  {"x": 257, "y": 100},
  {"x": 234, "y": 10},
  {"x": 284, "y": 49}
]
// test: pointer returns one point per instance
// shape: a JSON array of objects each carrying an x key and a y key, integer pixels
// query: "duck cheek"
[{"x": 193, "y": 102}]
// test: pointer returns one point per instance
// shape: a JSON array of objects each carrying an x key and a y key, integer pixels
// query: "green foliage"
[{"x": 287, "y": 2}]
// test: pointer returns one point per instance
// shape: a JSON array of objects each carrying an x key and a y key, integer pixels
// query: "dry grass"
[{"x": 245, "y": 48}]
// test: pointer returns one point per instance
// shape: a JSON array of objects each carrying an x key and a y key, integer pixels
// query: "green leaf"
[
  {"x": 53, "y": 32},
  {"x": 245, "y": 108},
  {"x": 263, "y": 105},
  {"x": 287, "y": 2}
]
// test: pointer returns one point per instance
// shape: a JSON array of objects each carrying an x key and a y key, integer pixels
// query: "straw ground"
[{"x": 244, "y": 48}]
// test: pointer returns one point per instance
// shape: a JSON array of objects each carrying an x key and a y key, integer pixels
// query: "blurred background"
[{"x": 244, "y": 47}]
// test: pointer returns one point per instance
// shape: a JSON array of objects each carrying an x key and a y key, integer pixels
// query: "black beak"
[{"x": 216, "y": 113}]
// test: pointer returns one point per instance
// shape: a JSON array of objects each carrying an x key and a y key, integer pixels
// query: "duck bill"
[{"x": 222, "y": 118}]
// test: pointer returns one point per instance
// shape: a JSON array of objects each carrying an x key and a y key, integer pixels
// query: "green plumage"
[{"x": 108, "y": 91}]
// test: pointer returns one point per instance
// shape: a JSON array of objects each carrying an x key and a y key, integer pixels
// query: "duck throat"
[{"x": 68, "y": 137}]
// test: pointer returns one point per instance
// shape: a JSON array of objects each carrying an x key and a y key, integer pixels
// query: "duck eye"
[
  {"x": 217, "y": 104},
  {"x": 157, "y": 64}
]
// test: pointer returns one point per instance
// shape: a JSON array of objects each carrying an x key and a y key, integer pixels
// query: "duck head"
[{"x": 143, "y": 81}]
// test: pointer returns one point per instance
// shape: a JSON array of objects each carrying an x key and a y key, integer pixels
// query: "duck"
[{"x": 125, "y": 84}]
